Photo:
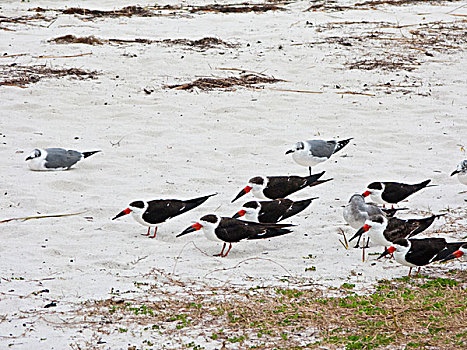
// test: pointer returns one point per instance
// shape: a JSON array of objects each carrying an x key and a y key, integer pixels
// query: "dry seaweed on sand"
[
  {"x": 71, "y": 39},
  {"x": 156, "y": 10},
  {"x": 229, "y": 83},
  {"x": 203, "y": 43},
  {"x": 367, "y": 5},
  {"x": 17, "y": 75}
]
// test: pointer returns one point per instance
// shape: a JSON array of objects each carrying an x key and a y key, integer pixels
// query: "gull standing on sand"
[
  {"x": 228, "y": 230},
  {"x": 357, "y": 211},
  {"x": 55, "y": 158},
  {"x": 461, "y": 172},
  {"x": 312, "y": 152}
]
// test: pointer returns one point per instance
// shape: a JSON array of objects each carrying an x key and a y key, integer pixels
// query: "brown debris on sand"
[
  {"x": 20, "y": 76},
  {"x": 156, "y": 10},
  {"x": 203, "y": 43},
  {"x": 71, "y": 39},
  {"x": 228, "y": 84}
]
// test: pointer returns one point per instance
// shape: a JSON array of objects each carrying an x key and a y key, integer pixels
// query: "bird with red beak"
[
  {"x": 229, "y": 230},
  {"x": 157, "y": 211},
  {"x": 276, "y": 187}
]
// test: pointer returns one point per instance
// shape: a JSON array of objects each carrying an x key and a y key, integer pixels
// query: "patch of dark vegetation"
[
  {"x": 21, "y": 76},
  {"x": 422, "y": 312},
  {"x": 229, "y": 83}
]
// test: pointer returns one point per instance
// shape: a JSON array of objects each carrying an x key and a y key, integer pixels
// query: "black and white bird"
[
  {"x": 55, "y": 158},
  {"x": 421, "y": 252},
  {"x": 383, "y": 231},
  {"x": 461, "y": 172},
  {"x": 272, "y": 211},
  {"x": 312, "y": 152},
  {"x": 392, "y": 192},
  {"x": 157, "y": 211},
  {"x": 357, "y": 211},
  {"x": 461, "y": 252},
  {"x": 229, "y": 230},
  {"x": 276, "y": 187}
]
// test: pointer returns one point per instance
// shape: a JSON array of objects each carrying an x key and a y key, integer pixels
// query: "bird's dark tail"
[
  {"x": 313, "y": 178},
  {"x": 423, "y": 224},
  {"x": 446, "y": 252},
  {"x": 271, "y": 232},
  {"x": 342, "y": 144},
  {"x": 391, "y": 212},
  {"x": 423, "y": 185},
  {"x": 297, "y": 207},
  {"x": 193, "y": 203},
  {"x": 319, "y": 182},
  {"x": 88, "y": 154}
]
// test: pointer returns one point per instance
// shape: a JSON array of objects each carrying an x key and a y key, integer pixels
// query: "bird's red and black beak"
[
  {"x": 455, "y": 172},
  {"x": 455, "y": 255},
  {"x": 366, "y": 193},
  {"x": 290, "y": 151},
  {"x": 361, "y": 231},
  {"x": 242, "y": 192},
  {"x": 239, "y": 214},
  {"x": 123, "y": 212},
  {"x": 388, "y": 251},
  {"x": 192, "y": 228}
]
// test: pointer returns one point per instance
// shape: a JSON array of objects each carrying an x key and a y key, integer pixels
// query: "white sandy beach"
[{"x": 408, "y": 125}]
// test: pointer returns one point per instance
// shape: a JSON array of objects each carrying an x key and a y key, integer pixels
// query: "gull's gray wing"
[
  {"x": 321, "y": 148},
  {"x": 61, "y": 158}
]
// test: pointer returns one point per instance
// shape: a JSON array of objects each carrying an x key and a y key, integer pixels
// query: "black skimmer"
[
  {"x": 158, "y": 211},
  {"x": 462, "y": 251},
  {"x": 383, "y": 231},
  {"x": 276, "y": 187},
  {"x": 272, "y": 211},
  {"x": 357, "y": 211},
  {"x": 392, "y": 192},
  {"x": 312, "y": 152},
  {"x": 229, "y": 230},
  {"x": 55, "y": 158},
  {"x": 461, "y": 172},
  {"x": 421, "y": 252}
]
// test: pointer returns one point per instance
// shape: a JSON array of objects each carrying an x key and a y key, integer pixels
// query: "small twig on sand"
[
  {"x": 71, "y": 56},
  {"x": 117, "y": 143},
  {"x": 243, "y": 261},
  {"x": 354, "y": 93},
  {"x": 180, "y": 254},
  {"x": 301, "y": 91},
  {"x": 242, "y": 70},
  {"x": 40, "y": 217},
  {"x": 14, "y": 55},
  {"x": 345, "y": 243}
]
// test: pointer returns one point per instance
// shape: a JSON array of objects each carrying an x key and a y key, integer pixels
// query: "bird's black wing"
[
  {"x": 273, "y": 211},
  {"x": 394, "y": 192},
  {"x": 160, "y": 210},
  {"x": 282, "y": 186},
  {"x": 422, "y": 251},
  {"x": 233, "y": 230}
]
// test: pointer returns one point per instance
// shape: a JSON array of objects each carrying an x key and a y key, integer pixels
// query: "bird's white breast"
[
  {"x": 305, "y": 158},
  {"x": 462, "y": 177}
]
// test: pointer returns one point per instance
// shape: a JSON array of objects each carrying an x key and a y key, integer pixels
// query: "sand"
[{"x": 409, "y": 124}]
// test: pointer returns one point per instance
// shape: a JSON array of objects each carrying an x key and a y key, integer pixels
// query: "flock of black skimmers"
[{"x": 375, "y": 225}]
